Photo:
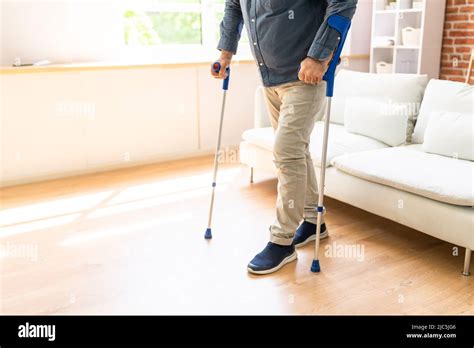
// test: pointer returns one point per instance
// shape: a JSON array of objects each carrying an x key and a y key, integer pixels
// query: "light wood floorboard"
[{"x": 131, "y": 242}]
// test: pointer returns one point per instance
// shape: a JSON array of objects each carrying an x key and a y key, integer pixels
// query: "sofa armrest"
[{"x": 261, "y": 115}]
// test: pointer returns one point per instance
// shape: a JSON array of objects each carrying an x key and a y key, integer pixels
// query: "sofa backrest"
[
  {"x": 261, "y": 115},
  {"x": 396, "y": 88},
  {"x": 443, "y": 96}
]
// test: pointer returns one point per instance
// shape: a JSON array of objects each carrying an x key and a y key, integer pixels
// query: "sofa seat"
[
  {"x": 408, "y": 168},
  {"x": 340, "y": 141}
]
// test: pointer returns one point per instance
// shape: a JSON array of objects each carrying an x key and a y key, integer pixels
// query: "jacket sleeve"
[
  {"x": 327, "y": 38},
  {"x": 231, "y": 26}
]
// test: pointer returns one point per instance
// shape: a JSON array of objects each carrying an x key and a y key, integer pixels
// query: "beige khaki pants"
[{"x": 294, "y": 108}]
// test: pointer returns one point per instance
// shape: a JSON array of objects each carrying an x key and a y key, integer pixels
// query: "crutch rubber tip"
[
  {"x": 315, "y": 268},
  {"x": 208, "y": 234}
]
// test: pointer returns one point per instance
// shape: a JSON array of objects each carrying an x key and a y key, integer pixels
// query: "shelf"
[
  {"x": 386, "y": 12},
  {"x": 97, "y": 66},
  {"x": 421, "y": 57},
  {"x": 94, "y": 66},
  {"x": 411, "y": 10},
  {"x": 408, "y": 10},
  {"x": 402, "y": 47}
]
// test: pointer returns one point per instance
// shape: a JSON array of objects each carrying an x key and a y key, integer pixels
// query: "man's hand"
[
  {"x": 312, "y": 71},
  {"x": 224, "y": 60}
]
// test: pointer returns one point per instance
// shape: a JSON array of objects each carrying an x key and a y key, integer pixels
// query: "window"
[{"x": 174, "y": 27}]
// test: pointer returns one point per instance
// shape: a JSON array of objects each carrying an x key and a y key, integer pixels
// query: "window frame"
[{"x": 208, "y": 10}]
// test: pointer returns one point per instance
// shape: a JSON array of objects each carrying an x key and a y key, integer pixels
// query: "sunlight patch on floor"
[
  {"x": 49, "y": 209},
  {"x": 128, "y": 207},
  {"x": 93, "y": 235},
  {"x": 38, "y": 225},
  {"x": 106, "y": 203},
  {"x": 174, "y": 186}
]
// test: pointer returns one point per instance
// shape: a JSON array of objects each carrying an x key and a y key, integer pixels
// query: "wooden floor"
[{"x": 131, "y": 242}]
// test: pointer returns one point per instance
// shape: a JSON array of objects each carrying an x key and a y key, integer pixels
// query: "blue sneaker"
[
  {"x": 307, "y": 233},
  {"x": 272, "y": 258}
]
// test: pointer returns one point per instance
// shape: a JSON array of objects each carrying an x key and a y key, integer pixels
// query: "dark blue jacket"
[{"x": 283, "y": 33}]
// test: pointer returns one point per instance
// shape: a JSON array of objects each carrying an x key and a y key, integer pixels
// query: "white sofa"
[{"x": 431, "y": 193}]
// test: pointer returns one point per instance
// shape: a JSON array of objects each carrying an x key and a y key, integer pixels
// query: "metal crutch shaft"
[
  {"x": 225, "y": 86},
  {"x": 342, "y": 25},
  {"x": 315, "y": 267}
]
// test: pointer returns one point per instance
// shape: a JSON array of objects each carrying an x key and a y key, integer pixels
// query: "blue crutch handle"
[
  {"x": 216, "y": 67},
  {"x": 342, "y": 25}
]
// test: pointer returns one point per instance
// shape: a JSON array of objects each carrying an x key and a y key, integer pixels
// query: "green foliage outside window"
[
  {"x": 177, "y": 28},
  {"x": 149, "y": 28},
  {"x": 139, "y": 29}
]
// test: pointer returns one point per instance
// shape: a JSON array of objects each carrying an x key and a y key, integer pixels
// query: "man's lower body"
[{"x": 294, "y": 108}]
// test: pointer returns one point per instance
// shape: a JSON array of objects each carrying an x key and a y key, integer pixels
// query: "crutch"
[
  {"x": 342, "y": 25},
  {"x": 225, "y": 86}
]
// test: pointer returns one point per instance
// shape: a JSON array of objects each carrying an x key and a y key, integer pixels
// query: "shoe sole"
[
  {"x": 323, "y": 235},
  {"x": 286, "y": 260}
]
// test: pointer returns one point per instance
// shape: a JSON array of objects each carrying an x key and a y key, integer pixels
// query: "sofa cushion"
[
  {"x": 410, "y": 169},
  {"x": 394, "y": 88},
  {"x": 377, "y": 120},
  {"x": 262, "y": 137},
  {"x": 340, "y": 141},
  {"x": 450, "y": 134},
  {"x": 443, "y": 96}
]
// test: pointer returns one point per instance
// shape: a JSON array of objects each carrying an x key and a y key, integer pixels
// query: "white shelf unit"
[{"x": 388, "y": 24}]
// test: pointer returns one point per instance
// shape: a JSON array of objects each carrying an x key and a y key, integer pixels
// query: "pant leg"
[
  {"x": 273, "y": 105},
  {"x": 311, "y": 200},
  {"x": 300, "y": 103}
]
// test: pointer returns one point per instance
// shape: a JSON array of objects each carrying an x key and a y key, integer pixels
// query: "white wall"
[
  {"x": 358, "y": 41},
  {"x": 62, "y": 123},
  {"x": 60, "y": 30}
]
